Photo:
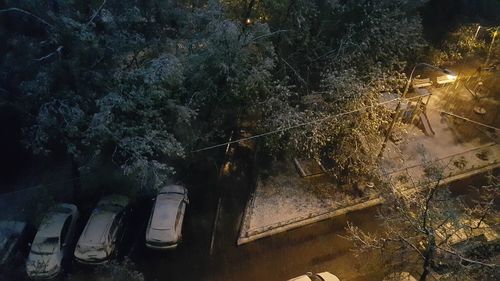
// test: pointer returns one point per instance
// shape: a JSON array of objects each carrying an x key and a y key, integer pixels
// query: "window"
[
  {"x": 114, "y": 226},
  {"x": 65, "y": 229},
  {"x": 179, "y": 215}
]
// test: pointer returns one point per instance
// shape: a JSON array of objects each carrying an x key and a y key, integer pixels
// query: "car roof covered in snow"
[
  {"x": 165, "y": 211},
  {"x": 100, "y": 220}
]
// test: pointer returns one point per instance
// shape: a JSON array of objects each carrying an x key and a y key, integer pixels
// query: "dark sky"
[{"x": 442, "y": 16}]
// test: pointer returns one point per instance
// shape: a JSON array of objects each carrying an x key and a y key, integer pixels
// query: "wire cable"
[
  {"x": 335, "y": 116},
  {"x": 464, "y": 118},
  {"x": 295, "y": 126}
]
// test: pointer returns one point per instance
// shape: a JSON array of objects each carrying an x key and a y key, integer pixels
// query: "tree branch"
[
  {"x": 295, "y": 72},
  {"x": 57, "y": 51},
  {"x": 96, "y": 12},
  {"x": 427, "y": 205},
  {"x": 467, "y": 259},
  {"x": 411, "y": 245},
  {"x": 27, "y": 13},
  {"x": 264, "y": 36}
]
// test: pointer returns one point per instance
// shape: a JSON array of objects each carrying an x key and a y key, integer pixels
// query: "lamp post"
[
  {"x": 403, "y": 96},
  {"x": 491, "y": 46},
  {"x": 477, "y": 31}
]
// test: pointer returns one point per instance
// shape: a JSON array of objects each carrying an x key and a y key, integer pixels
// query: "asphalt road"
[{"x": 317, "y": 247}]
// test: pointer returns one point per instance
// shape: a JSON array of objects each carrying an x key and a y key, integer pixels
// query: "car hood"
[
  {"x": 38, "y": 264},
  {"x": 161, "y": 235},
  {"x": 91, "y": 253}
]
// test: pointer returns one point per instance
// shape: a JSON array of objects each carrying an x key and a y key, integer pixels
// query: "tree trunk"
[
  {"x": 429, "y": 256},
  {"x": 248, "y": 11}
]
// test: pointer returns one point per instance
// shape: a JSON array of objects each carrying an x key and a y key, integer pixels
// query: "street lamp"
[
  {"x": 491, "y": 45},
  {"x": 449, "y": 74},
  {"x": 477, "y": 31}
]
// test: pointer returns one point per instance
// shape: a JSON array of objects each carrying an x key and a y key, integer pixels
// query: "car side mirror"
[
  {"x": 29, "y": 245},
  {"x": 64, "y": 244}
]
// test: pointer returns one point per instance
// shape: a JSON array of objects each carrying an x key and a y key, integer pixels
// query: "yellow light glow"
[{"x": 451, "y": 77}]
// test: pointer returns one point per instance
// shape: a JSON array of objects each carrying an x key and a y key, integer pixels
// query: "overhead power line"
[
  {"x": 464, "y": 118},
  {"x": 331, "y": 117},
  {"x": 296, "y": 126}
]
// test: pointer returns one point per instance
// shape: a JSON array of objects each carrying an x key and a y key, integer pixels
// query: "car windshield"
[
  {"x": 61, "y": 209},
  {"x": 45, "y": 246},
  {"x": 90, "y": 248},
  {"x": 109, "y": 207}
]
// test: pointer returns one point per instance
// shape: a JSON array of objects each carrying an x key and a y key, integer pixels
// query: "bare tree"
[{"x": 427, "y": 229}]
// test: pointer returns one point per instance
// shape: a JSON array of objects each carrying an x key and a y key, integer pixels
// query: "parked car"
[
  {"x": 164, "y": 229},
  {"x": 12, "y": 234},
  {"x": 52, "y": 242},
  {"x": 104, "y": 228},
  {"x": 323, "y": 276}
]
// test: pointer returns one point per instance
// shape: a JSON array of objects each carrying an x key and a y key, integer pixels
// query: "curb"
[{"x": 302, "y": 222}]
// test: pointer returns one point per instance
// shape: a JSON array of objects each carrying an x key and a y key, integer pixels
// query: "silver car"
[
  {"x": 52, "y": 242},
  {"x": 98, "y": 239},
  {"x": 164, "y": 229}
]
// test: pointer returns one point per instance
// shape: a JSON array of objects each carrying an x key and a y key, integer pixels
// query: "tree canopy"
[{"x": 143, "y": 83}]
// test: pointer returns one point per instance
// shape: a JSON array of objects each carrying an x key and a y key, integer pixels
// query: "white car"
[
  {"x": 164, "y": 229},
  {"x": 323, "y": 276},
  {"x": 52, "y": 242},
  {"x": 104, "y": 227}
]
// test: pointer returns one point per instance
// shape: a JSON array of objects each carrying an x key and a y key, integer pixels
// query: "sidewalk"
[{"x": 285, "y": 201}]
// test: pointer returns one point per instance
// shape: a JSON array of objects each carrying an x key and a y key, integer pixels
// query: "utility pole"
[
  {"x": 396, "y": 112},
  {"x": 491, "y": 46},
  {"x": 401, "y": 99}
]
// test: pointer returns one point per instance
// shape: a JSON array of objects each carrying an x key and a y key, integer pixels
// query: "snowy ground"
[
  {"x": 457, "y": 147},
  {"x": 284, "y": 200}
]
